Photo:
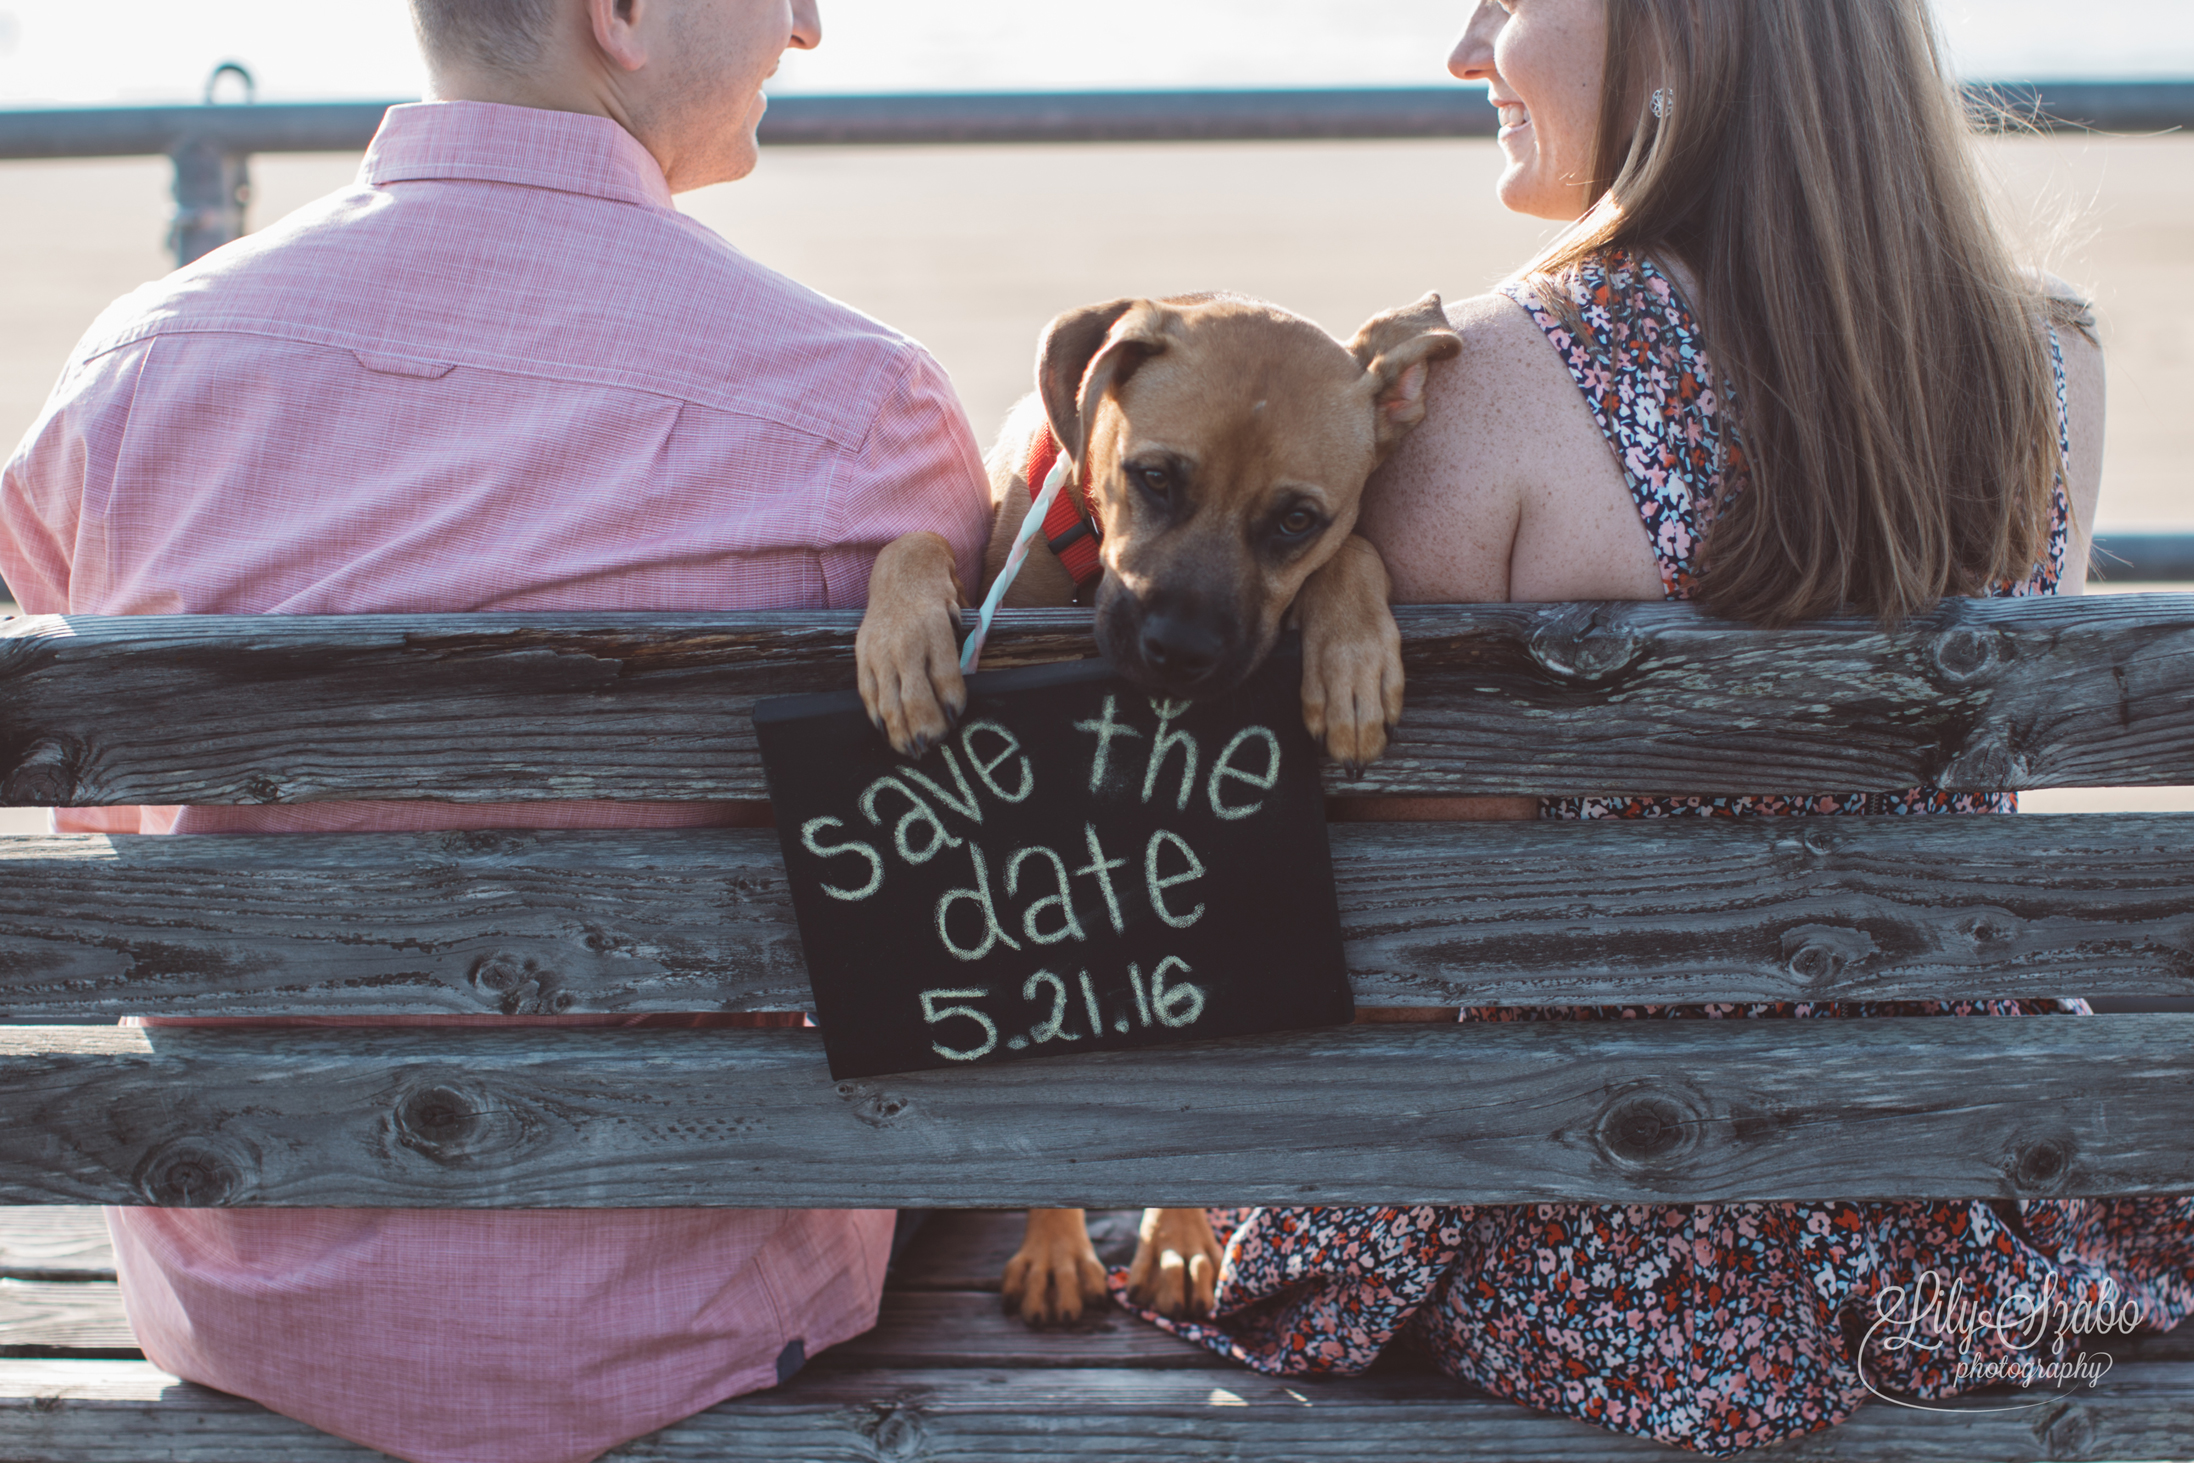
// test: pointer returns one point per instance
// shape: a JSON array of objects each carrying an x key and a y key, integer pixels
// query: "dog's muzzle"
[{"x": 1182, "y": 645}]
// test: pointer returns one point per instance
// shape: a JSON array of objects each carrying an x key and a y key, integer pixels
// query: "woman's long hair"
[{"x": 1813, "y": 169}]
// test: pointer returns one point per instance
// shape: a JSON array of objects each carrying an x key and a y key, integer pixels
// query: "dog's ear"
[
  {"x": 1088, "y": 351},
  {"x": 1397, "y": 350}
]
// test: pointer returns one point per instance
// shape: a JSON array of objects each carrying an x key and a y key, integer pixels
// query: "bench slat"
[
  {"x": 1433, "y": 915},
  {"x": 130, "y": 1412},
  {"x": 46, "y": 1318},
  {"x": 56, "y": 1242},
  {"x": 1613, "y": 1111},
  {"x": 1584, "y": 698}
]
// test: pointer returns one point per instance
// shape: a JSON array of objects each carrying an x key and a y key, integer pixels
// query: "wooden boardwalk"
[{"x": 946, "y": 1375}]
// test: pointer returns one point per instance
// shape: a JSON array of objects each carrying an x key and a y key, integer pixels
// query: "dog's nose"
[{"x": 1179, "y": 649}]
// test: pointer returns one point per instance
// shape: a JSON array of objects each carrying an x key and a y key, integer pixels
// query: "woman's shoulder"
[
  {"x": 1508, "y": 368},
  {"x": 1507, "y": 452},
  {"x": 1498, "y": 320}
]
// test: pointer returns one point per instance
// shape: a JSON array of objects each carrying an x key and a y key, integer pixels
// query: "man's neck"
[{"x": 544, "y": 93}]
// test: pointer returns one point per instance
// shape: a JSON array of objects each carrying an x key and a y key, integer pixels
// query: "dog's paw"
[
  {"x": 905, "y": 661},
  {"x": 1176, "y": 1263},
  {"x": 1352, "y": 691},
  {"x": 1352, "y": 657},
  {"x": 1053, "y": 1275}
]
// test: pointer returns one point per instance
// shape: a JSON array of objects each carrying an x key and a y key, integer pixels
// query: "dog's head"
[{"x": 1226, "y": 443}]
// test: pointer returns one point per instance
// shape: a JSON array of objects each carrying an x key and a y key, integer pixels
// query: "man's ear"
[
  {"x": 1397, "y": 350},
  {"x": 1085, "y": 353},
  {"x": 618, "y": 26}
]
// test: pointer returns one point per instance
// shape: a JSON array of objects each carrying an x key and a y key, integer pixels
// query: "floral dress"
[{"x": 1716, "y": 1327}]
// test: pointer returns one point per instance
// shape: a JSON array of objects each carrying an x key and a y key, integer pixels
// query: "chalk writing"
[{"x": 1079, "y": 866}]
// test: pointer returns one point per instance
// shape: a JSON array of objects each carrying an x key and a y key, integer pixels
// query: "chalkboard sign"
[{"x": 1080, "y": 866}]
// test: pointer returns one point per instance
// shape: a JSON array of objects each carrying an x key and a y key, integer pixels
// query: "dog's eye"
[
  {"x": 1156, "y": 481},
  {"x": 1298, "y": 521}
]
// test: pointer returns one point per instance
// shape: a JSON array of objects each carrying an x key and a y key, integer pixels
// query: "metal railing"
[
  {"x": 2142, "y": 558},
  {"x": 212, "y": 144}
]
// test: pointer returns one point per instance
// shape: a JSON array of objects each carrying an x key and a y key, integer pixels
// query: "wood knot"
[
  {"x": 1577, "y": 647},
  {"x": 519, "y": 985},
  {"x": 872, "y": 1106},
  {"x": 896, "y": 1432},
  {"x": 1820, "y": 842},
  {"x": 1652, "y": 1129},
  {"x": 1965, "y": 653},
  {"x": 2069, "y": 1430},
  {"x": 197, "y": 1173},
  {"x": 449, "y": 1122},
  {"x": 1819, "y": 954},
  {"x": 484, "y": 843},
  {"x": 1988, "y": 764},
  {"x": 2041, "y": 1166},
  {"x": 45, "y": 776}
]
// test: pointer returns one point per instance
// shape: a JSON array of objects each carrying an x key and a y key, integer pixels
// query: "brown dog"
[{"x": 1218, "y": 449}]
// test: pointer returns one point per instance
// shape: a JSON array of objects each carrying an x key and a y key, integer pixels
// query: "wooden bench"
[{"x": 1551, "y": 699}]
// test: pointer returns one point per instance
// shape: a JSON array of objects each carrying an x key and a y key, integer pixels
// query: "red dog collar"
[{"x": 1071, "y": 530}]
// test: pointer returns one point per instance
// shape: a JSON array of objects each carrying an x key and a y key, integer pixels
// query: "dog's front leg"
[
  {"x": 1352, "y": 655},
  {"x": 906, "y": 663},
  {"x": 1056, "y": 1269},
  {"x": 1176, "y": 1263}
]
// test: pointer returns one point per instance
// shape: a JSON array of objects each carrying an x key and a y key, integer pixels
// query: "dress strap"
[
  {"x": 2064, "y": 403},
  {"x": 1636, "y": 352},
  {"x": 2046, "y": 575}
]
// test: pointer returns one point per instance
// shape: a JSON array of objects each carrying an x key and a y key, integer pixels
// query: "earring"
[{"x": 1664, "y": 101}]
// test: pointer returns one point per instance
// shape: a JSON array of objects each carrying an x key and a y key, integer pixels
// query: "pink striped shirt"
[{"x": 500, "y": 372}]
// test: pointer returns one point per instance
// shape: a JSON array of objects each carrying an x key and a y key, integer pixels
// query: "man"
[{"x": 499, "y": 373}]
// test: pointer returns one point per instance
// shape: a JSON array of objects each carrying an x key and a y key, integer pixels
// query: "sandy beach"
[{"x": 972, "y": 249}]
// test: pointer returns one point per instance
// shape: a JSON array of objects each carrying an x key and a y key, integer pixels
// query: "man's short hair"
[{"x": 502, "y": 35}]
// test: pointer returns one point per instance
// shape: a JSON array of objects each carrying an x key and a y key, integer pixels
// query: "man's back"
[{"x": 500, "y": 374}]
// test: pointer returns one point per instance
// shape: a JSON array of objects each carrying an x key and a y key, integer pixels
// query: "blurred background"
[{"x": 972, "y": 248}]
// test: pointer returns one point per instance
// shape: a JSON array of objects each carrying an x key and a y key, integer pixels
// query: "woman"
[{"x": 1784, "y": 340}]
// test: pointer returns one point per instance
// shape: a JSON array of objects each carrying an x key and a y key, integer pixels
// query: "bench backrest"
[{"x": 1556, "y": 699}]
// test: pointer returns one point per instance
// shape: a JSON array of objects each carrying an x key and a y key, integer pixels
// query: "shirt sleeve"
[
  {"x": 69, "y": 453},
  {"x": 917, "y": 468}
]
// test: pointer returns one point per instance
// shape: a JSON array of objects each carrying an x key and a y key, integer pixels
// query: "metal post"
[{"x": 212, "y": 187}]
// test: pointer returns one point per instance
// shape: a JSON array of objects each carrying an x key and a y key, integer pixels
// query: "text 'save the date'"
[{"x": 1080, "y": 866}]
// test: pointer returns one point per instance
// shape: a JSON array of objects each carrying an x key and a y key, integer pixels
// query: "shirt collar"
[{"x": 490, "y": 143}]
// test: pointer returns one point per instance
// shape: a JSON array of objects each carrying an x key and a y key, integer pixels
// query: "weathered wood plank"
[
  {"x": 55, "y": 1242},
  {"x": 1584, "y": 698},
  {"x": 1433, "y": 915},
  {"x": 65, "y": 1318},
  {"x": 967, "y": 1249},
  {"x": 958, "y": 1328},
  {"x": 386, "y": 924},
  {"x": 1617, "y": 1111},
  {"x": 130, "y": 1412}
]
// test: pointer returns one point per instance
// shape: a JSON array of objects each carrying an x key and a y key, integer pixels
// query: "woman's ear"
[
  {"x": 1397, "y": 350},
  {"x": 1087, "y": 351}
]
